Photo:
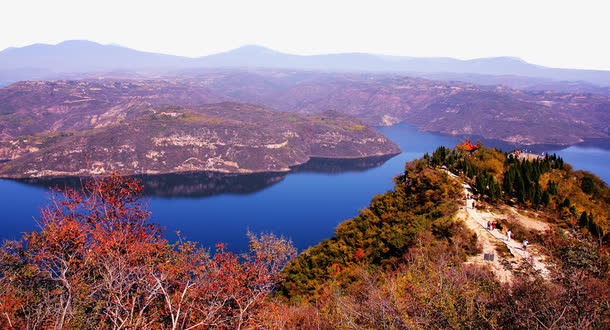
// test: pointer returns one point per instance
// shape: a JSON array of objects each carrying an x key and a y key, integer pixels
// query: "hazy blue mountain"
[
  {"x": 257, "y": 56},
  {"x": 81, "y": 55},
  {"x": 246, "y": 56},
  {"x": 39, "y": 60},
  {"x": 519, "y": 82}
]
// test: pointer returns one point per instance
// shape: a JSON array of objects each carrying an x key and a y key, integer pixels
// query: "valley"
[
  {"x": 46, "y": 126},
  {"x": 304, "y": 165}
]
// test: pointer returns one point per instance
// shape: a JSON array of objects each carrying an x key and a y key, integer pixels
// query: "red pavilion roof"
[{"x": 468, "y": 146}]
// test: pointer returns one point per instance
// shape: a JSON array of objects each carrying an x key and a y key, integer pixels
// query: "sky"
[{"x": 562, "y": 34}]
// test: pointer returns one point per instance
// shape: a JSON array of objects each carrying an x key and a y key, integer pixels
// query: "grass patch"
[{"x": 353, "y": 128}]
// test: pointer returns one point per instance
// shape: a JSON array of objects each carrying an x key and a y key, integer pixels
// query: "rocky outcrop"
[{"x": 225, "y": 137}]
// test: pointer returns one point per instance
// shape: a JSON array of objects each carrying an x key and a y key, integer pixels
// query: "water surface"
[
  {"x": 305, "y": 205},
  {"x": 588, "y": 158}
]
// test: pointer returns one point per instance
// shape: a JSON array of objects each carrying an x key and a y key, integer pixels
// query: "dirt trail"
[
  {"x": 476, "y": 220},
  {"x": 488, "y": 245}
]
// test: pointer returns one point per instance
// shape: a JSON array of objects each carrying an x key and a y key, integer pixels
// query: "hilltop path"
[{"x": 477, "y": 218}]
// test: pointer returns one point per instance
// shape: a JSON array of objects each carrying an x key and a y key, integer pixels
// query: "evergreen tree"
[
  {"x": 584, "y": 220},
  {"x": 552, "y": 188},
  {"x": 507, "y": 184},
  {"x": 587, "y": 185},
  {"x": 537, "y": 195},
  {"x": 520, "y": 188},
  {"x": 546, "y": 197}
]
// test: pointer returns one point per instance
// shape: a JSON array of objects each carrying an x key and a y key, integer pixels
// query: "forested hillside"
[
  {"x": 412, "y": 259},
  {"x": 423, "y": 202},
  {"x": 574, "y": 199}
]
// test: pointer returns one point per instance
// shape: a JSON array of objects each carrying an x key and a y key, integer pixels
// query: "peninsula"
[{"x": 79, "y": 128}]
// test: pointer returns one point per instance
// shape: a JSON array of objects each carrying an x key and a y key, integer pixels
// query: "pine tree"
[
  {"x": 584, "y": 220},
  {"x": 537, "y": 195},
  {"x": 507, "y": 184},
  {"x": 546, "y": 197}
]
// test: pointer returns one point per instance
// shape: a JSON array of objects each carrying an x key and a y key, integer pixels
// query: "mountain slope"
[
  {"x": 494, "y": 112},
  {"x": 223, "y": 137},
  {"x": 32, "y": 107},
  {"x": 457, "y": 108},
  {"x": 423, "y": 252},
  {"x": 66, "y": 128},
  {"x": 498, "y": 116}
]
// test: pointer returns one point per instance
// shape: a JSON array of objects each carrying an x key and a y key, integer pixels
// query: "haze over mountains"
[{"x": 41, "y": 61}]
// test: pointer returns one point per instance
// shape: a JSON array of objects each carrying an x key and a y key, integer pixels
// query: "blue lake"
[{"x": 305, "y": 205}]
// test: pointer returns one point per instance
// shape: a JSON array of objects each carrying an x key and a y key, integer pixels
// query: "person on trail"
[
  {"x": 508, "y": 233},
  {"x": 488, "y": 225},
  {"x": 525, "y": 245},
  {"x": 493, "y": 226}
]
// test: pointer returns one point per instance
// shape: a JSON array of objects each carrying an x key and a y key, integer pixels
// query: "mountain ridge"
[{"x": 86, "y": 56}]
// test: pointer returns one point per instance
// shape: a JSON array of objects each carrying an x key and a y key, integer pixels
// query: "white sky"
[{"x": 567, "y": 34}]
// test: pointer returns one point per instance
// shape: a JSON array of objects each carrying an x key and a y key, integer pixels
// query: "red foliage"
[
  {"x": 359, "y": 254},
  {"x": 97, "y": 262}
]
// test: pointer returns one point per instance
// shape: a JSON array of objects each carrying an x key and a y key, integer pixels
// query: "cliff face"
[{"x": 141, "y": 137}]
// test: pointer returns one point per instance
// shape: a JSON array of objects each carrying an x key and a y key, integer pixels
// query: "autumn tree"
[{"x": 98, "y": 262}]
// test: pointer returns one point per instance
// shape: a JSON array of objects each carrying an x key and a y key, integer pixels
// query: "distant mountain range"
[
  {"x": 92, "y": 84},
  {"x": 41, "y": 61},
  {"x": 456, "y": 108}
]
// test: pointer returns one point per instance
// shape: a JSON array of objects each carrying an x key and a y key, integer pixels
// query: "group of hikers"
[
  {"x": 469, "y": 197},
  {"x": 491, "y": 226}
]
